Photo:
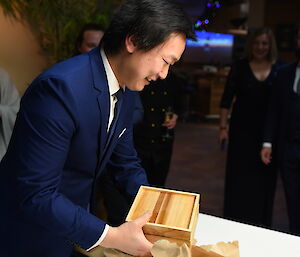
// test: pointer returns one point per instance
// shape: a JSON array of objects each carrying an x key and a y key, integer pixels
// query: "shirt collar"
[{"x": 113, "y": 84}]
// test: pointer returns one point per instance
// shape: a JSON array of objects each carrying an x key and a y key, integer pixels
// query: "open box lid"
[{"x": 174, "y": 213}]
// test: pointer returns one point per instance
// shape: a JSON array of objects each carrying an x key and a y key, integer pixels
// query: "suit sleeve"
[
  {"x": 44, "y": 129},
  {"x": 273, "y": 111},
  {"x": 230, "y": 87}
]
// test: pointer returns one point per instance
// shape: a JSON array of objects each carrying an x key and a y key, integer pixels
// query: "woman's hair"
[{"x": 272, "y": 55}]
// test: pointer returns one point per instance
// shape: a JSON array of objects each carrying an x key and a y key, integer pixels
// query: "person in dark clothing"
[
  {"x": 283, "y": 122},
  {"x": 249, "y": 183},
  {"x": 154, "y": 134},
  {"x": 88, "y": 38},
  {"x": 75, "y": 119}
]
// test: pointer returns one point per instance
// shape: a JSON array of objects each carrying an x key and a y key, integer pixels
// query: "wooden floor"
[{"x": 198, "y": 165}]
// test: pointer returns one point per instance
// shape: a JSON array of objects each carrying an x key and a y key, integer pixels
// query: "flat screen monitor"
[{"x": 209, "y": 48}]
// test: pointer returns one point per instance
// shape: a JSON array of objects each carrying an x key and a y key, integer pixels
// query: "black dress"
[{"x": 249, "y": 183}]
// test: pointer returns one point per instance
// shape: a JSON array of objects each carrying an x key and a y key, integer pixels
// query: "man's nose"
[{"x": 164, "y": 72}]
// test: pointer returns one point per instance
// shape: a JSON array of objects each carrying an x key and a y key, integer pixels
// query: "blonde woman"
[{"x": 249, "y": 183}]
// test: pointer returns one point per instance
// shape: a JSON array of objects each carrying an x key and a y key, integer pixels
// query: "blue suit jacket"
[
  {"x": 279, "y": 110},
  {"x": 57, "y": 151}
]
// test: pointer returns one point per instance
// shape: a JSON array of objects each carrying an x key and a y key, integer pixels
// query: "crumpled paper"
[
  {"x": 221, "y": 249},
  {"x": 161, "y": 248},
  {"x": 164, "y": 248}
]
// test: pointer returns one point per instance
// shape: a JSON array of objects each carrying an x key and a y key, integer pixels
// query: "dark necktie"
[{"x": 119, "y": 95}]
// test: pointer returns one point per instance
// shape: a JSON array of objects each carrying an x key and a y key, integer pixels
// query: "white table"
[{"x": 253, "y": 241}]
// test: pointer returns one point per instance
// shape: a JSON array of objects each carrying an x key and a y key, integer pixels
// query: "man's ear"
[{"x": 130, "y": 45}]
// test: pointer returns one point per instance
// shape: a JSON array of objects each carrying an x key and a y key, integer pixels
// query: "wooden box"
[{"x": 174, "y": 214}]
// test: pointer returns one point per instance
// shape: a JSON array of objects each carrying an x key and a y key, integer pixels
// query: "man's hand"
[
  {"x": 266, "y": 155},
  {"x": 129, "y": 237}
]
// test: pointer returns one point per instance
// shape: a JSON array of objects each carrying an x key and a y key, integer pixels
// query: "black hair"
[
  {"x": 86, "y": 27},
  {"x": 149, "y": 22}
]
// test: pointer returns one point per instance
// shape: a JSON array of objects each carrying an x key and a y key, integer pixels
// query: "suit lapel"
[
  {"x": 118, "y": 127},
  {"x": 100, "y": 84},
  {"x": 120, "y": 122},
  {"x": 287, "y": 91},
  {"x": 290, "y": 78}
]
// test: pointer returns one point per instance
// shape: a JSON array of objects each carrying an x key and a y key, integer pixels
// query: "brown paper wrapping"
[
  {"x": 164, "y": 248},
  {"x": 221, "y": 249}
]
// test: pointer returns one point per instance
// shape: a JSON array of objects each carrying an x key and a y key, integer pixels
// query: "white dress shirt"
[{"x": 113, "y": 86}]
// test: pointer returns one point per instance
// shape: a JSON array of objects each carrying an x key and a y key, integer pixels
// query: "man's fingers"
[{"x": 142, "y": 220}]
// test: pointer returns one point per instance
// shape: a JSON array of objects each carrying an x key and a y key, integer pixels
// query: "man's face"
[
  {"x": 142, "y": 67},
  {"x": 91, "y": 39}
]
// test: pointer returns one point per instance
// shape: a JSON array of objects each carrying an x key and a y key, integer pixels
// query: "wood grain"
[
  {"x": 145, "y": 201},
  {"x": 176, "y": 210},
  {"x": 157, "y": 208},
  {"x": 174, "y": 213}
]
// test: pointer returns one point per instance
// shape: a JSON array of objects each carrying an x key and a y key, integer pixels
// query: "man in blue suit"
[
  {"x": 75, "y": 119},
  {"x": 283, "y": 125}
]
